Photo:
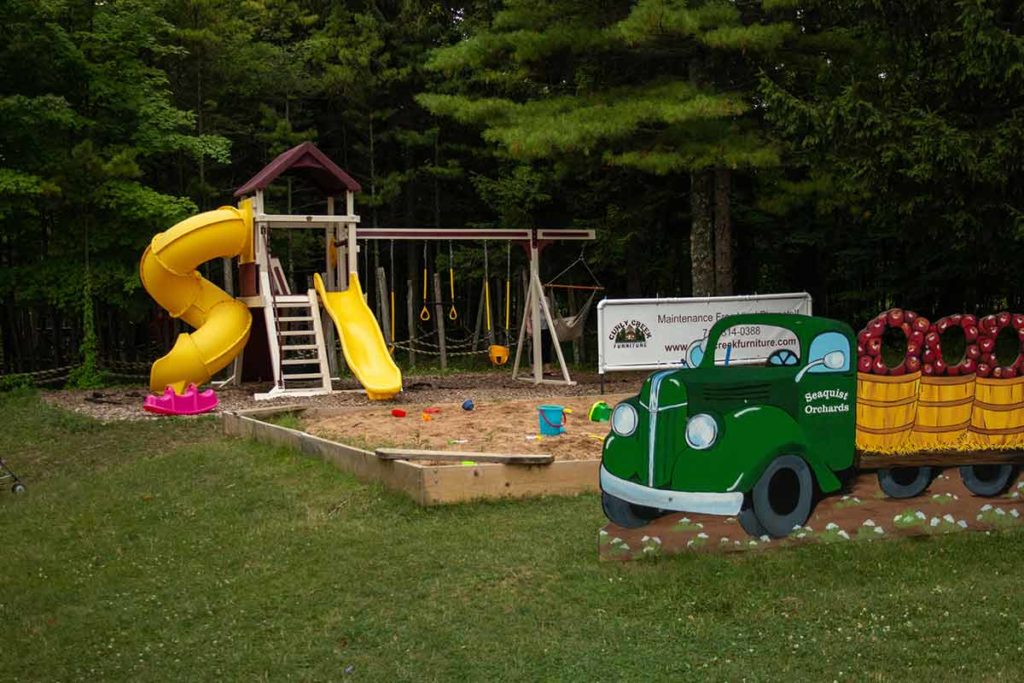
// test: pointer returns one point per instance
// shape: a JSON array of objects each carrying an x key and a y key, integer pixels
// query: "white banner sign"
[{"x": 648, "y": 334}]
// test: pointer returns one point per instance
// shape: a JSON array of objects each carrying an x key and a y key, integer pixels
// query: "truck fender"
[{"x": 781, "y": 435}]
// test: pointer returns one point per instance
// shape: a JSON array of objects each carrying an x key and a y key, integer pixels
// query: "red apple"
[
  {"x": 879, "y": 367},
  {"x": 907, "y": 329},
  {"x": 968, "y": 366},
  {"x": 913, "y": 349},
  {"x": 864, "y": 364},
  {"x": 972, "y": 352},
  {"x": 895, "y": 317},
  {"x": 968, "y": 320},
  {"x": 1009, "y": 373},
  {"x": 860, "y": 350},
  {"x": 913, "y": 364},
  {"x": 909, "y": 316},
  {"x": 989, "y": 359},
  {"x": 988, "y": 324},
  {"x": 955, "y": 319},
  {"x": 929, "y": 356},
  {"x": 863, "y": 336},
  {"x": 1017, "y": 321},
  {"x": 931, "y": 339},
  {"x": 970, "y": 333},
  {"x": 943, "y": 325},
  {"x": 921, "y": 323},
  {"x": 940, "y": 366},
  {"x": 986, "y": 344},
  {"x": 1003, "y": 318},
  {"x": 874, "y": 346},
  {"x": 876, "y": 328},
  {"x": 928, "y": 369},
  {"x": 900, "y": 369},
  {"x": 953, "y": 370},
  {"x": 984, "y": 369}
]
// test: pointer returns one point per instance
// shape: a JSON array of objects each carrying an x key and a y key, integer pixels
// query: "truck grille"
[{"x": 736, "y": 392}]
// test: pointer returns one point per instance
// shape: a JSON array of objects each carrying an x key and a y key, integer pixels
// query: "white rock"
[
  {"x": 702, "y": 535},
  {"x": 645, "y": 539},
  {"x": 962, "y": 524},
  {"x": 985, "y": 507},
  {"x": 1000, "y": 511},
  {"x": 948, "y": 517},
  {"x": 921, "y": 515},
  {"x": 844, "y": 534},
  {"x": 869, "y": 522},
  {"x": 879, "y": 530},
  {"x": 935, "y": 521},
  {"x": 1015, "y": 512},
  {"x": 830, "y": 526},
  {"x": 765, "y": 537}
]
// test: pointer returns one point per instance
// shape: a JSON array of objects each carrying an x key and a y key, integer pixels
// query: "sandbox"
[{"x": 350, "y": 437}]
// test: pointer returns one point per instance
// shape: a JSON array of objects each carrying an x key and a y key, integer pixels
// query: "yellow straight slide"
[
  {"x": 361, "y": 339},
  {"x": 168, "y": 272}
]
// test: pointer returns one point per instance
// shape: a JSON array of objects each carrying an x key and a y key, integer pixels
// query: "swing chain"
[
  {"x": 453, "y": 314},
  {"x": 425, "y": 311}
]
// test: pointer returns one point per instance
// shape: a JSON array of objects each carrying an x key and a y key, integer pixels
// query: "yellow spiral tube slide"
[{"x": 168, "y": 272}]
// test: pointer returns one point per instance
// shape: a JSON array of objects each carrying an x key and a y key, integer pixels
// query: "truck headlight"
[
  {"x": 624, "y": 419},
  {"x": 701, "y": 431}
]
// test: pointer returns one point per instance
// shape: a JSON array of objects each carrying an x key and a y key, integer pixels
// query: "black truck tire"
[
  {"x": 783, "y": 497},
  {"x": 987, "y": 480},
  {"x": 904, "y": 482},
  {"x": 626, "y": 514}
]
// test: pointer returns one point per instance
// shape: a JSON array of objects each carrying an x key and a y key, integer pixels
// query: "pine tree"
[{"x": 662, "y": 86}]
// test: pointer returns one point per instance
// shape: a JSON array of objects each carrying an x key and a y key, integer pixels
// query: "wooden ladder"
[{"x": 303, "y": 357}]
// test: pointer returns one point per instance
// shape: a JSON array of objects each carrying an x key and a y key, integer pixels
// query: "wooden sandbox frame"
[{"x": 425, "y": 484}]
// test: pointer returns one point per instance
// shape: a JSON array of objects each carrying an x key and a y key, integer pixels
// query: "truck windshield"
[{"x": 764, "y": 345}]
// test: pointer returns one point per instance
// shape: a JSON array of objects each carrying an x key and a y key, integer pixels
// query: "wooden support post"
[
  {"x": 576, "y": 343},
  {"x": 410, "y": 315},
  {"x": 385, "y": 305},
  {"x": 439, "y": 319},
  {"x": 479, "y": 320}
]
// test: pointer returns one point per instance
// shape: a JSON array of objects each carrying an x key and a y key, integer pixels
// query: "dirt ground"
[
  {"x": 493, "y": 426},
  {"x": 862, "y": 513},
  {"x": 125, "y": 402}
]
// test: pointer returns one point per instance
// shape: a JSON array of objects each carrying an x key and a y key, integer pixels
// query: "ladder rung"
[
  {"x": 289, "y": 304},
  {"x": 298, "y": 333},
  {"x": 291, "y": 299},
  {"x": 297, "y": 319},
  {"x": 301, "y": 375},
  {"x": 300, "y": 361},
  {"x": 299, "y": 347}
]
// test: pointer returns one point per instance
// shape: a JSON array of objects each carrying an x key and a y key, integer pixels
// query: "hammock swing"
[{"x": 570, "y": 328}]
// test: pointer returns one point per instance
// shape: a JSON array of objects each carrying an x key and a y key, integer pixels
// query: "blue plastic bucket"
[{"x": 551, "y": 420}]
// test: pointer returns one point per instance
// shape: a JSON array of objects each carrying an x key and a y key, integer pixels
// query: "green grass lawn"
[{"x": 162, "y": 550}]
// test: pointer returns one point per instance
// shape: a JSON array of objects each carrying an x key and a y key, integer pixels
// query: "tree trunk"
[
  {"x": 702, "y": 258},
  {"x": 723, "y": 233}
]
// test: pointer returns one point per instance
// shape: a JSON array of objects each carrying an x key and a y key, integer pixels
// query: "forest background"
[{"x": 867, "y": 152}]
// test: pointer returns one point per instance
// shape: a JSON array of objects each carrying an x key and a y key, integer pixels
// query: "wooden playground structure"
[{"x": 293, "y": 342}]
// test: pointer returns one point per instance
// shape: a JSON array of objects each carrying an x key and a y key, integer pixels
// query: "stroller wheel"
[{"x": 18, "y": 488}]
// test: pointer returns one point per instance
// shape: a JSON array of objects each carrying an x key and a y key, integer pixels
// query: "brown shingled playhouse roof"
[{"x": 311, "y": 162}]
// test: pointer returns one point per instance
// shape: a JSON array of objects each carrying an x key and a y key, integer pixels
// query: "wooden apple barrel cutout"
[
  {"x": 998, "y": 415},
  {"x": 887, "y": 397},
  {"x": 946, "y": 398}
]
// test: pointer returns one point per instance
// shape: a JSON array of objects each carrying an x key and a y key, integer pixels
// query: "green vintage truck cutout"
[
  {"x": 754, "y": 441},
  {"x": 760, "y": 441}
]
